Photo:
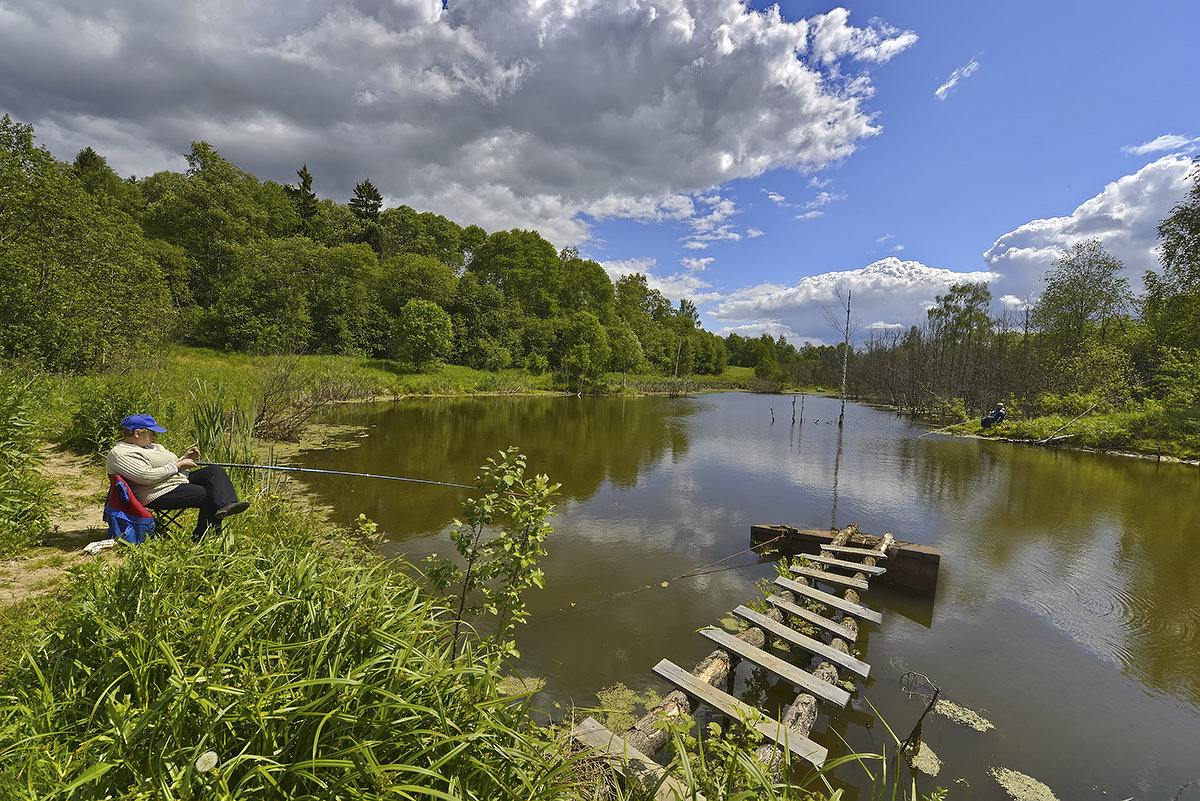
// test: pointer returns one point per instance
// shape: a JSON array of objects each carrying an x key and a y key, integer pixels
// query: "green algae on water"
[
  {"x": 925, "y": 760},
  {"x": 734, "y": 624},
  {"x": 962, "y": 715},
  {"x": 522, "y": 685},
  {"x": 618, "y": 704},
  {"x": 1022, "y": 787}
]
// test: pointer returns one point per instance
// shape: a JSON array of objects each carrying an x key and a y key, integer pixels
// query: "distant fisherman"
[
  {"x": 994, "y": 417},
  {"x": 162, "y": 480}
]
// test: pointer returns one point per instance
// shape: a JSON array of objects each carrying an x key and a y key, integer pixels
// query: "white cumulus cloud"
[
  {"x": 1124, "y": 217},
  {"x": 889, "y": 292},
  {"x": 526, "y": 114}
]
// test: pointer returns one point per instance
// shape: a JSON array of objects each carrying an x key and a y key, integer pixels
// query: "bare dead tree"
[{"x": 833, "y": 319}]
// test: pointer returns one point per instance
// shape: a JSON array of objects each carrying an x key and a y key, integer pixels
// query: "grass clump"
[
  {"x": 24, "y": 494},
  {"x": 258, "y": 666}
]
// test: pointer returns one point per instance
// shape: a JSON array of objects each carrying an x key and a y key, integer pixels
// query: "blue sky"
[{"x": 752, "y": 158}]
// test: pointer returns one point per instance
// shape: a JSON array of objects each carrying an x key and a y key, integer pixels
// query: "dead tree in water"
[{"x": 833, "y": 321}]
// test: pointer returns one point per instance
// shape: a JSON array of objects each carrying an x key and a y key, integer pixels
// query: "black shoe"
[{"x": 231, "y": 509}]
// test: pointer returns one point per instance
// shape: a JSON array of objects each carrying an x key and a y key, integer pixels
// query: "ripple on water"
[{"x": 1117, "y": 611}]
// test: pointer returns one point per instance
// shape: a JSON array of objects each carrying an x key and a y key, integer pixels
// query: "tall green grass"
[
  {"x": 258, "y": 666},
  {"x": 24, "y": 494}
]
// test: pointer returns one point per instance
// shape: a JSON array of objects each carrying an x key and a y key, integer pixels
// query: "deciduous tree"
[
  {"x": 1084, "y": 293},
  {"x": 1172, "y": 303},
  {"x": 77, "y": 287},
  {"x": 423, "y": 333}
]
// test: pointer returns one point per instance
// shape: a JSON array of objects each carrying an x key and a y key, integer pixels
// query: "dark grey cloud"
[{"x": 526, "y": 113}]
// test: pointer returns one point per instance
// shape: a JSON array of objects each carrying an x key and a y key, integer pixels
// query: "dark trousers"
[{"x": 208, "y": 489}]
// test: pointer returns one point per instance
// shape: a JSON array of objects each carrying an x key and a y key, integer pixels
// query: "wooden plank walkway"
[
  {"x": 731, "y": 707},
  {"x": 860, "y": 612},
  {"x": 846, "y": 549},
  {"x": 797, "y": 676},
  {"x": 834, "y": 627},
  {"x": 632, "y": 763},
  {"x": 649, "y": 774},
  {"x": 817, "y": 647},
  {"x": 828, "y": 577},
  {"x": 870, "y": 570}
]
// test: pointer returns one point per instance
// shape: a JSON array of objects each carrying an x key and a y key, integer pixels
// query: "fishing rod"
[
  {"x": 943, "y": 428},
  {"x": 332, "y": 472},
  {"x": 620, "y": 594},
  {"x": 696, "y": 570}
]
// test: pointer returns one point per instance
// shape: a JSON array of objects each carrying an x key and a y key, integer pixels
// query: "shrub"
[
  {"x": 953, "y": 410},
  {"x": 96, "y": 421},
  {"x": 536, "y": 363},
  {"x": 1070, "y": 404}
]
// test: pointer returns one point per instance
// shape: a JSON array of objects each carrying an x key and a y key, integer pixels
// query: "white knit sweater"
[{"x": 150, "y": 471}]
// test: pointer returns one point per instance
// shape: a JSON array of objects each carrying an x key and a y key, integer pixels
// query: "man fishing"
[
  {"x": 162, "y": 480},
  {"x": 993, "y": 417}
]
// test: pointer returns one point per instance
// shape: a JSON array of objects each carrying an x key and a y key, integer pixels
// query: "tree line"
[
  {"x": 100, "y": 269},
  {"x": 1087, "y": 343}
]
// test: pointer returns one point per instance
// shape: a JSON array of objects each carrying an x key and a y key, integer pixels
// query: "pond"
[{"x": 1067, "y": 612}]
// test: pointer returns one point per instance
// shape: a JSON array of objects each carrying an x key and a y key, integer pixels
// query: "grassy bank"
[
  {"x": 281, "y": 387},
  {"x": 1144, "y": 429},
  {"x": 255, "y": 665},
  {"x": 279, "y": 659}
]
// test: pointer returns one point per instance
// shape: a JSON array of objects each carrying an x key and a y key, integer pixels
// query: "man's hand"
[
  {"x": 185, "y": 464},
  {"x": 193, "y": 453}
]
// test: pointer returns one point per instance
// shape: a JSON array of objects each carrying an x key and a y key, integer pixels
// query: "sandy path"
[{"x": 75, "y": 521}]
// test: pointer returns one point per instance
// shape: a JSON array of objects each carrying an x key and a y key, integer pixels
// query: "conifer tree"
[
  {"x": 302, "y": 195},
  {"x": 366, "y": 201}
]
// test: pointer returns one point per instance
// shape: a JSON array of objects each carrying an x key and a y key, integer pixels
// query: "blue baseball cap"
[{"x": 135, "y": 421}]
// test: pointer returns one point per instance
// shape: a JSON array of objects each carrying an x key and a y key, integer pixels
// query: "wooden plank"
[
  {"x": 831, "y": 626},
  {"x": 798, "y": 676},
  {"x": 630, "y": 762},
  {"x": 860, "y": 612},
  {"x": 846, "y": 549},
  {"x": 870, "y": 570},
  {"x": 829, "y": 578},
  {"x": 731, "y": 707},
  {"x": 816, "y": 646}
]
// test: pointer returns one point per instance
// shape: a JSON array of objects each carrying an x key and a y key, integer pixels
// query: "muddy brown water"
[{"x": 1067, "y": 614}]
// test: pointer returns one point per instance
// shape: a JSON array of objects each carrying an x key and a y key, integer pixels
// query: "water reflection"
[
  {"x": 837, "y": 466},
  {"x": 580, "y": 444},
  {"x": 1068, "y": 580}
]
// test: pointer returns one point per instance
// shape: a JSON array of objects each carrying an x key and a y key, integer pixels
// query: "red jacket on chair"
[{"x": 126, "y": 517}]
